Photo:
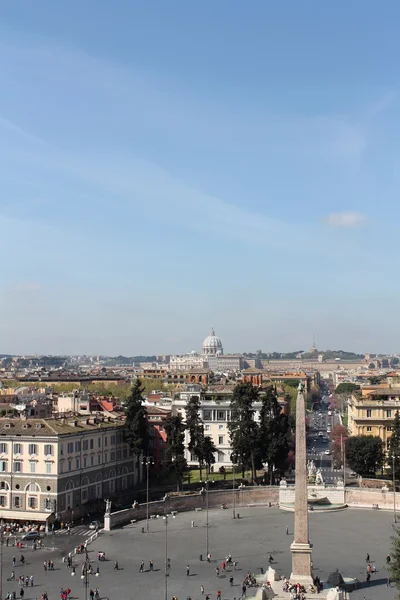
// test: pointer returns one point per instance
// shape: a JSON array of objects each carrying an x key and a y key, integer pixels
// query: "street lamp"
[
  {"x": 233, "y": 490},
  {"x": 147, "y": 461},
  {"x": 85, "y": 575},
  {"x": 206, "y": 483},
  {"x": 166, "y": 517},
  {"x": 394, "y": 489}
]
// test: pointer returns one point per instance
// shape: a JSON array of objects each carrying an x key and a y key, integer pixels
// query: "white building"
[{"x": 186, "y": 362}]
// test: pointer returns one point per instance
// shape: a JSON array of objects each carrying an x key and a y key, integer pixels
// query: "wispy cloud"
[
  {"x": 7, "y": 124},
  {"x": 26, "y": 287},
  {"x": 346, "y": 219}
]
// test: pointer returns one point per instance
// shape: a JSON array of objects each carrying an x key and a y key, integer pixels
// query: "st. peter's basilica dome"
[{"x": 212, "y": 345}]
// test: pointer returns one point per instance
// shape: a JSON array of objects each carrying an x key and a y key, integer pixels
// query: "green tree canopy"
[
  {"x": 364, "y": 454},
  {"x": 394, "y": 445},
  {"x": 208, "y": 451},
  {"x": 346, "y": 388},
  {"x": 194, "y": 425},
  {"x": 242, "y": 428},
  {"x": 273, "y": 433},
  {"x": 137, "y": 428},
  {"x": 174, "y": 458}
]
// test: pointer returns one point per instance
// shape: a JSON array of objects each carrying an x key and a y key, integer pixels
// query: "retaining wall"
[{"x": 248, "y": 496}]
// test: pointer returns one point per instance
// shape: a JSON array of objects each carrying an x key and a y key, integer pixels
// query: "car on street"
[
  {"x": 95, "y": 525},
  {"x": 328, "y": 452},
  {"x": 31, "y": 535}
]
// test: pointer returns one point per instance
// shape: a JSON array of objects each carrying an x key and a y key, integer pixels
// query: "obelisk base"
[{"x": 301, "y": 564}]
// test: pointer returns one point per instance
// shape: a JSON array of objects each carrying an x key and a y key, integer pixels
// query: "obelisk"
[{"x": 301, "y": 548}]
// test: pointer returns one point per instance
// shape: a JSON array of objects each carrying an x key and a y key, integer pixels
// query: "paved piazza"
[{"x": 341, "y": 540}]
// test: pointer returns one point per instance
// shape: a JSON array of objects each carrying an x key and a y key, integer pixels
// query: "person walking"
[
  {"x": 231, "y": 580},
  {"x": 388, "y": 582},
  {"x": 151, "y": 565},
  {"x": 367, "y": 557},
  {"x": 141, "y": 569},
  {"x": 219, "y": 595},
  {"x": 244, "y": 589},
  {"x": 91, "y": 594},
  {"x": 287, "y": 530},
  {"x": 116, "y": 566},
  {"x": 217, "y": 571},
  {"x": 202, "y": 590},
  {"x": 187, "y": 570}
]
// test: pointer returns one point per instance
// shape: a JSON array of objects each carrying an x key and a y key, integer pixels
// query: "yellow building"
[{"x": 373, "y": 411}]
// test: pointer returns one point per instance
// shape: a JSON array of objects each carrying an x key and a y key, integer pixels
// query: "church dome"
[{"x": 212, "y": 345}]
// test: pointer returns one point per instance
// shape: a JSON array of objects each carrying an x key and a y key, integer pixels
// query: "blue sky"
[{"x": 170, "y": 166}]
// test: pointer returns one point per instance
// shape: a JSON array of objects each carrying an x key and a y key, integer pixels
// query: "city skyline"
[{"x": 165, "y": 168}]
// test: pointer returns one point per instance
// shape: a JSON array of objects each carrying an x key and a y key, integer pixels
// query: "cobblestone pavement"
[{"x": 341, "y": 540}]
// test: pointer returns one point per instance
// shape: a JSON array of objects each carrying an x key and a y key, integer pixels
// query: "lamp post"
[
  {"x": 1, "y": 561},
  {"x": 147, "y": 461},
  {"x": 85, "y": 575},
  {"x": 233, "y": 490},
  {"x": 394, "y": 489},
  {"x": 207, "y": 482},
  {"x": 166, "y": 573}
]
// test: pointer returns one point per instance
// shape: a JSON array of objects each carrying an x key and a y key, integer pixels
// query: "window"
[
  {"x": 32, "y": 449},
  {"x": 220, "y": 439},
  {"x": 106, "y": 441},
  {"x": 17, "y": 466},
  {"x": 3, "y": 500},
  {"x": 61, "y": 467},
  {"x": 221, "y": 415},
  {"x": 112, "y": 456},
  {"x": 32, "y": 502},
  {"x": 369, "y": 428},
  {"x": 70, "y": 465},
  {"x": 112, "y": 485},
  {"x": 207, "y": 415},
  {"x": 99, "y": 459},
  {"x": 99, "y": 442},
  {"x": 112, "y": 441},
  {"x": 85, "y": 445},
  {"x": 84, "y": 495},
  {"x": 77, "y": 446},
  {"x": 48, "y": 504},
  {"x": 3, "y": 466},
  {"x": 106, "y": 457},
  {"x": 206, "y": 427},
  {"x": 3, "y": 447},
  {"x": 61, "y": 449},
  {"x": 77, "y": 463},
  {"x": 92, "y": 460},
  {"x": 48, "y": 450},
  {"x": 388, "y": 414},
  {"x": 220, "y": 427},
  {"x": 389, "y": 428},
  {"x": 84, "y": 462},
  {"x": 91, "y": 443},
  {"x": 369, "y": 412},
  {"x": 32, "y": 466},
  {"x": 49, "y": 467},
  {"x": 17, "y": 501},
  {"x": 18, "y": 448},
  {"x": 70, "y": 447}
]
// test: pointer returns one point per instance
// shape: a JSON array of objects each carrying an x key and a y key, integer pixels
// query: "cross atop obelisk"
[{"x": 301, "y": 547}]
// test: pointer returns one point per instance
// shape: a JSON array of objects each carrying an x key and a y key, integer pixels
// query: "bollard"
[{"x": 201, "y": 557}]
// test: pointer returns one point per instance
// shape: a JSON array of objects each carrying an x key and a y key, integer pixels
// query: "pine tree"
[
  {"x": 194, "y": 425},
  {"x": 273, "y": 433},
  {"x": 208, "y": 452},
  {"x": 394, "y": 446},
  {"x": 242, "y": 427},
  {"x": 174, "y": 458},
  {"x": 394, "y": 566},
  {"x": 137, "y": 428}
]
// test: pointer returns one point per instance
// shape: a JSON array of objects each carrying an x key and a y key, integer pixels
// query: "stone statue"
[
  {"x": 301, "y": 387},
  {"x": 283, "y": 482},
  {"x": 311, "y": 469},
  {"x": 340, "y": 482},
  {"x": 108, "y": 507},
  {"x": 318, "y": 478}
]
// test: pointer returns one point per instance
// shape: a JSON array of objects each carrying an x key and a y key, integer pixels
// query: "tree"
[
  {"x": 394, "y": 445},
  {"x": 175, "y": 447},
  {"x": 273, "y": 433},
  {"x": 364, "y": 454},
  {"x": 194, "y": 425},
  {"x": 394, "y": 566},
  {"x": 137, "y": 432},
  {"x": 242, "y": 428},
  {"x": 346, "y": 388},
  {"x": 338, "y": 436},
  {"x": 208, "y": 452}
]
